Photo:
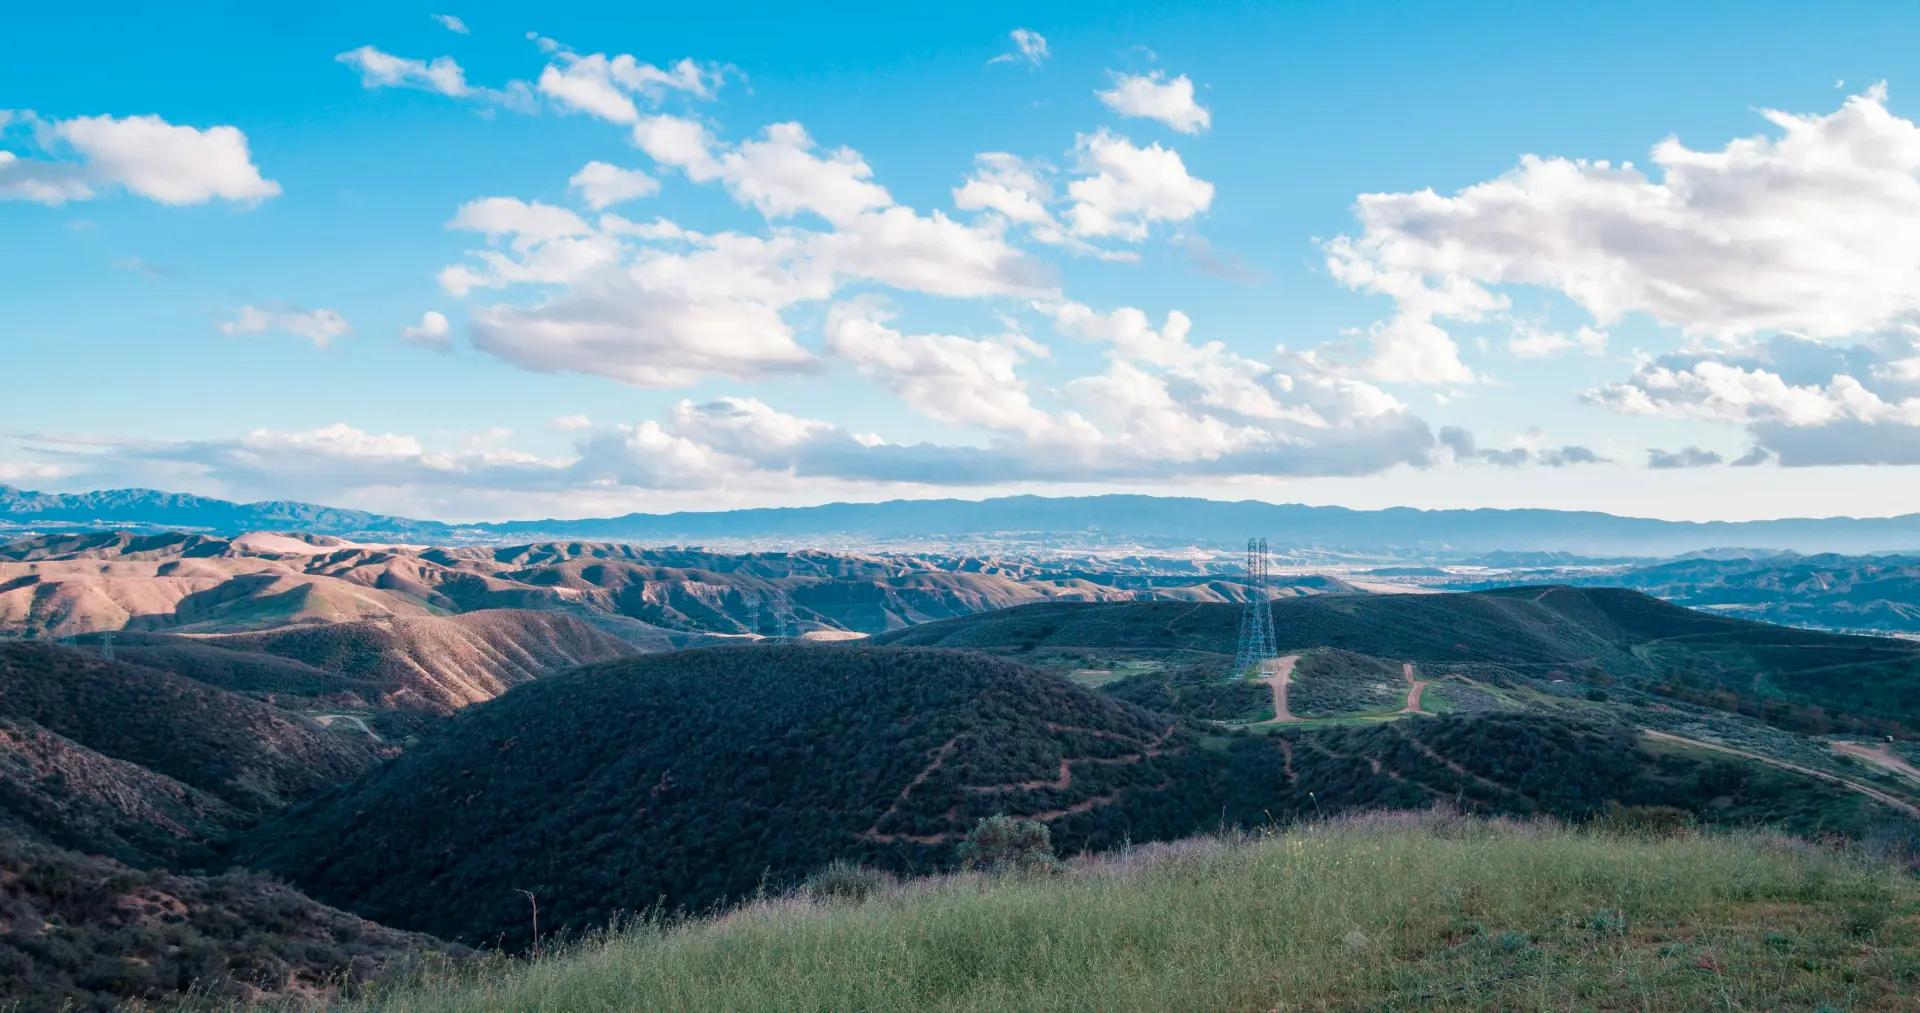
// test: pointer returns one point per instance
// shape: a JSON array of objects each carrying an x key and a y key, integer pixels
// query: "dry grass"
[{"x": 1392, "y": 912}]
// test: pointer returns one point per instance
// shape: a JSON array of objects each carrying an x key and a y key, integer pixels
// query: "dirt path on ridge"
[
  {"x": 1277, "y": 672},
  {"x": 1414, "y": 688},
  {"x": 1873, "y": 793}
]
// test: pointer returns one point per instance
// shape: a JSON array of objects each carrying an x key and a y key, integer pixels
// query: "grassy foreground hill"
[{"x": 1389, "y": 912}]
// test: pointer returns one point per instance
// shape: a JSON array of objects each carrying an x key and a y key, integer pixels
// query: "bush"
[
  {"x": 844, "y": 880},
  {"x": 1005, "y": 844}
]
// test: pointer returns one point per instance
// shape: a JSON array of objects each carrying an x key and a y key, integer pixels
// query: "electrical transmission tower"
[{"x": 1256, "y": 620}]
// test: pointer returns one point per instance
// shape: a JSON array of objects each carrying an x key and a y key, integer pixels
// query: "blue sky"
[{"x": 218, "y": 226}]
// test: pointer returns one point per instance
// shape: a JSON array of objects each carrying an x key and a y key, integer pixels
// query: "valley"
[{"x": 429, "y": 737}]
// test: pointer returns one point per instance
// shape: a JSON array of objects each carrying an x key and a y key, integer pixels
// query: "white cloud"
[
  {"x": 602, "y": 184},
  {"x": 1130, "y": 187},
  {"x": 1152, "y": 96},
  {"x": 1531, "y": 341},
  {"x": 144, "y": 154},
  {"x": 1029, "y": 47},
  {"x": 946, "y": 377},
  {"x": 451, "y": 23},
  {"x": 51, "y": 183},
  {"x": 1813, "y": 229},
  {"x": 318, "y": 326},
  {"x": 1008, "y": 186},
  {"x": 571, "y": 423},
  {"x": 526, "y": 222},
  {"x": 1800, "y": 401},
  {"x": 605, "y": 87},
  {"x": 432, "y": 331},
  {"x": 384, "y": 70},
  {"x": 655, "y": 304},
  {"x": 613, "y": 324}
]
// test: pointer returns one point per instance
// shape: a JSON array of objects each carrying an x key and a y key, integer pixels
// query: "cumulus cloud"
[
  {"x": 605, "y": 86},
  {"x": 319, "y": 326},
  {"x": 656, "y": 304},
  {"x": 1029, "y": 47},
  {"x": 451, "y": 23},
  {"x": 1803, "y": 402},
  {"x": 1127, "y": 188},
  {"x": 432, "y": 331},
  {"x": 1809, "y": 229},
  {"x": 384, "y": 70},
  {"x": 946, "y": 377},
  {"x": 1153, "y": 96},
  {"x": 145, "y": 155},
  {"x": 602, "y": 184},
  {"x": 571, "y": 423}
]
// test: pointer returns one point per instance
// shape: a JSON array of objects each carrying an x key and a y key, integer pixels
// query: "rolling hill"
[
  {"x": 654, "y": 598},
  {"x": 693, "y": 779},
  {"x": 1802, "y": 679},
  {"x": 146, "y": 766},
  {"x": 1877, "y": 594},
  {"x": 435, "y": 664}
]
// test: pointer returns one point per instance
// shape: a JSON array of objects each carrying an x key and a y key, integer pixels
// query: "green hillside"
[
  {"x": 244, "y": 752},
  {"x": 1804, "y": 680},
  {"x": 698, "y": 778},
  {"x": 1387, "y": 913}
]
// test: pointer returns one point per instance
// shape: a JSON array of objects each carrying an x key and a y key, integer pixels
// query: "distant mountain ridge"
[{"x": 1067, "y": 521}]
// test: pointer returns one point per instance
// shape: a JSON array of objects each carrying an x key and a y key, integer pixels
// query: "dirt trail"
[
  {"x": 1878, "y": 755},
  {"x": 327, "y": 720},
  {"x": 1277, "y": 673},
  {"x": 1415, "y": 686},
  {"x": 1872, "y": 793},
  {"x": 1059, "y": 782}
]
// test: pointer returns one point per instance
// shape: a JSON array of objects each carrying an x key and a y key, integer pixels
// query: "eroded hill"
[{"x": 656, "y": 599}]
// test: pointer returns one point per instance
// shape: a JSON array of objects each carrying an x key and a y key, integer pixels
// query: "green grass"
[{"x": 1392, "y": 912}]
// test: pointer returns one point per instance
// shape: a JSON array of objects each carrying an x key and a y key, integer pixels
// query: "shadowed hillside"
[
  {"x": 143, "y": 765},
  {"x": 693, "y": 779},
  {"x": 86, "y": 933}
]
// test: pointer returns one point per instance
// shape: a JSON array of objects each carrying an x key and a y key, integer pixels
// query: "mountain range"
[{"x": 1069, "y": 522}]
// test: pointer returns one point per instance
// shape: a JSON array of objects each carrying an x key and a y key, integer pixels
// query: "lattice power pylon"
[{"x": 1256, "y": 620}]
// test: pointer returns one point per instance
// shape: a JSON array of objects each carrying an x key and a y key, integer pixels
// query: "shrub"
[
  {"x": 1005, "y": 844},
  {"x": 844, "y": 880}
]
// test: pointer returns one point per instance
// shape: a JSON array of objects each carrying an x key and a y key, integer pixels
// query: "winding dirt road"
[
  {"x": 1879, "y": 756},
  {"x": 1872, "y": 793}
]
